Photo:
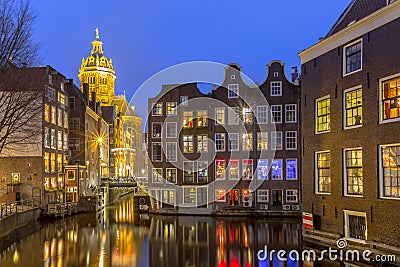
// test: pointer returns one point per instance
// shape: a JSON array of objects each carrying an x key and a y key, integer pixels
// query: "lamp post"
[{"x": 100, "y": 143}]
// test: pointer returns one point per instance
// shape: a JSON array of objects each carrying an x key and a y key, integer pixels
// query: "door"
[{"x": 276, "y": 197}]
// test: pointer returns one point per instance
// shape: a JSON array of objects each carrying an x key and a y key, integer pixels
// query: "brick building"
[
  {"x": 214, "y": 151},
  {"x": 350, "y": 121}
]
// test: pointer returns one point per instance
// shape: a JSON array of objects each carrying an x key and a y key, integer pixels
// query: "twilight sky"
[{"x": 144, "y": 37}]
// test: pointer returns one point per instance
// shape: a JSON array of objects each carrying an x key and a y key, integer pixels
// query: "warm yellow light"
[{"x": 100, "y": 140}]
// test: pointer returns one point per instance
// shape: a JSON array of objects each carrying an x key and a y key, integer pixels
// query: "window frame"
[
  {"x": 217, "y": 121},
  {"x": 166, "y": 176},
  {"x": 152, "y": 130},
  {"x": 153, "y": 144},
  {"x": 381, "y": 173},
  {"x": 346, "y": 214},
  {"x": 188, "y": 143},
  {"x": 287, "y": 111},
  {"x": 358, "y": 87},
  {"x": 272, "y": 139},
  {"x": 158, "y": 108},
  {"x": 174, "y": 109},
  {"x": 233, "y": 92},
  {"x": 345, "y": 177},
  {"x": 344, "y": 59},
  {"x": 291, "y": 137},
  {"x": 202, "y": 170},
  {"x": 316, "y": 114},
  {"x": 278, "y": 84},
  {"x": 237, "y": 141},
  {"x": 263, "y": 195},
  {"x": 223, "y": 142},
  {"x": 380, "y": 94},
  {"x": 158, "y": 180},
  {"x": 286, "y": 169},
  {"x": 296, "y": 195},
  {"x": 282, "y": 168},
  {"x": 166, "y": 129},
  {"x": 204, "y": 143},
  {"x": 273, "y": 121},
  {"x": 316, "y": 179},
  {"x": 175, "y": 159}
]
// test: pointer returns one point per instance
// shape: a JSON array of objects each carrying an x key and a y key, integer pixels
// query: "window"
[
  {"x": 71, "y": 101},
  {"x": 390, "y": 171},
  {"x": 46, "y": 137},
  {"x": 276, "y": 140},
  {"x": 61, "y": 99},
  {"x": 188, "y": 144},
  {"x": 291, "y": 140},
  {"x": 188, "y": 172},
  {"x": 156, "y": 152},
  {"x": 157, "y": 175},
  {"x": 220, "y": 142},
  {"x": 262, "y": 114},
  {"x": 171, "y": 130},
  {"x": 171, "y": 152},
  {"x": 52, "y": 162},
  {"x": 168, "y": 199},
  {"x": 291, "y": 196},
  {"x": 156, "y": 129},
  {"x": 233, "y": 118},
  {"x": 202, "y": 171},
  {"x": 202, "y": 118},
  {"x": 233, "y": 77},
  {"x": 47, "y": 112},
  {"x": 247, "y": 115},
  {"x": 352, "y": 57},
  {"x": 59, "y": 163},
  {"x": 262, "y": 196},
  {"x": 276, "y": 113},
  {"x": 233, "y": 169},
  {"x": 202, "y": 143},
  {"x": 65, "y": 141},
  {"x": 262, "y": 140},
  {"x": 323, "y": 114},
  {"x": 220, "y": 116},
  {"x": 189, "y": 195},
  {"x": 46, "y": 162},
  {"x": 158, "y": 109},
  {"x": 233, "y": 90},
  {"x": 233, "y": 141},
  {"x": 51, "y": 94},
  {"x": 276, "y": 88},
  {"x": 202, "y": 197},
  {"x": 276, "y": 74},
  {"x": 53, "y": 115},
  {"x": 74, "y": 144},
  {"x": 65, "y": 119},
  {"x": 276, "y": 169},
  {"x": 184, "y": 100},
  {"x": 247, "y": 141},
  {"x": 59, "y": 140},
  {"x": 188, "y": 119},
  {"x": 74, "y": 124},
  {"x": 390, "y": 99},
  {"x": 171, "y": 108},
  {"x": 220, "y": 169},
  {"x": 323, "y": 170},
  {"x": 291, "y": 169},
  {"x": 53, "y": 139},
  {"x": 220, "y": 195},
  {"x": 247, "y": 169},
  {"x": 290, "y": 113},
  {"x": 353, "y": 172},
  {"x": 171, "y": 175},
  {"x": 262, "y": 169},
  {"x": 355, "y": 225},
  {"x": 353, "y": 107}
]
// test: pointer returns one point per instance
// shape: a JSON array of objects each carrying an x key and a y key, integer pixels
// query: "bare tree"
[{"x": 16, "y": 29}]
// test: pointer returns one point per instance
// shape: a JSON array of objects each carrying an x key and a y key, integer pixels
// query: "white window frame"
[
  {"x": 381, "y": 177},
  {"x": 218, "y": 122},
  {"x": 282, "y": 169},
  {"x": 175, "y": 109},
  {"x": 183, "y": 172},
  {"x": 225, "y": 166},
  {"x": 176, "y": 173},
  {"x": 152, "y": 130},
  {"x": 272, "y": 114},
  {"x": 184, "y": 100},
  {"x": 297, "y": 169},
  {"x": 162, "y": 109},
  {"x": 273, "y": 140},
  {"x": 292, "y": 195},
  {"x": 174, "y": 126},
  {"x": 287, "y": 111},
  {"x": 261, "y": 196},
  {"x": 316, "y": 179},
  {"x": 229, "y": 169},
  {"x": 260, "y": 140},
  {"x": 344, "y": 58},
  {"x": 287, "y": 138},
  {"x": 224, "y": 142},
  {"x": 346, "y": 214},
  {"x": 198, "y": 170},
  {"x": 380, "y": 88},
  {"x": 316, "y": 115},
  {"x": 262, "y": 110},
  {"x": 152, "y": 150},
  {"x": 229, "y": 141},
  {"x": 344, "y": 107},
  {"x": 345, "y": 178},
  {"x": 167, "y": 151},
  {"x": 258, "y": 167},
  {"x": 218, "y": 192},
  {"x": 274, "y": 85},
  {"x": 233, "y": 116},
  {"x": 158, "y": 180},
  {"x": 188, "y": 141},
  {"x": 233, "y": 90},
  {"x": 202, "y": 143}
]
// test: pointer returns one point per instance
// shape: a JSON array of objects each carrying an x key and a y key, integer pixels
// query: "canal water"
[{"x": 119, "y": 237}]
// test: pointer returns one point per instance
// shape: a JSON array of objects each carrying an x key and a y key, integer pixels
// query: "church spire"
[{"x": 97, "y": 45}]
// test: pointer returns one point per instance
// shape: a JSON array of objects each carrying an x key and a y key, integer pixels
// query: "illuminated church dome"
[{"x": 98, "y": 72}]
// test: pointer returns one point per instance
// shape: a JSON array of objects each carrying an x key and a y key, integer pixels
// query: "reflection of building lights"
[
  {"x": 60, "y": 248},
  {"x": 46, "y": 250},
  {"x": 16, "y": 257},
  {"x": 53, "y": 247}
]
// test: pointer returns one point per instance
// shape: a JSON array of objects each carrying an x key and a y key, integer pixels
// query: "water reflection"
[{"x": 118, "y": 237}]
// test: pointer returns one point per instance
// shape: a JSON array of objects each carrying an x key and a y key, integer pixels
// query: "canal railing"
[
  {"x": 62, "y": 209},
  {"x": 8, "y": 209}
]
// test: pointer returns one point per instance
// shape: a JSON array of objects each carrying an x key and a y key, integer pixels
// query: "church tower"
[{"x": 98, "y": 72}]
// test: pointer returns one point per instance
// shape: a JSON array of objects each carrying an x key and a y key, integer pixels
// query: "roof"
[
  {"x": 356, "y": 10},
  {"x": 108, "y": 113}
]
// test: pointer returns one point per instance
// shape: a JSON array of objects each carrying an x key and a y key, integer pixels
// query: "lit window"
[
  {"x": 189, "y": 195},
  {"x": 291, "y": 169},
  {"x": 276, "y": 169},
  {"x": 355, "y": 225},
  {"x": 202, "y": 171},
  {"x": 188, "y": 119},
  {"x": 60, "y": 117},
  {"x": 202, "y": 143},
  {"x": 158, "y": 109},
  {"x": 171, "y": 151},
  {"x": 52, "y": 162},
  {"x": 352, "y": 57},
  {"x": 323, "y": 170},
  {"x": 65, "y": 141},
  {"x": 247, "y": 141},
  {"x": 276, "y": 88},
  {"x": 171, "y": 175},
  {"x": 46, "y": 137},
  {"x": 156, "y": 152},
  {"x": 233, "y": 90},
  {"x": 262, "y": 114},
  {"x": 220, "y": 169},
  {"x": 262, "y": 196},
  {"x": 390, "y": 99},
  {"x": 353, "y": 173},
  {"x": 233, "y": 141},
  {"x": 233, "y": 118},
  {"x": 74, "y": 144},
  {"x": 220, "y": 116},
  {"x": 202, "y": 118},
  {"x": 171, "y": 108},
  {"x": 220, "y": 195},
  {"x": 291, "y": 140},
  {"x": 262, "y": 169},
  {"x": 233, "y": 169},
  {"x": 188, "y": 172},
  {"x": 276, "y": 113},
  {"x": 188, "y": 144},
  {"x": 220, "y": 142},
  {"x": 290, "y": 113},
  {"x": 262, "y": 140},
  {"x": 46, "y": 162},
  {"x": 291, "y": 196},
  {"x": 53, "y": 139},
  {"x": 276, "y": 140},
  {"x": 61, "y": 99},
  {"x": 247, "y": 169},
  {"x": 247, "y": 115},
  {"x": 157, "y": 175},
  {"x": 65, "y": 119},
  {"x": 47, "y": 112},
  {"x": 171, "y": 130},
  {"x": 184, "y": 100},
  {"x": 59, "y": 163},
  {"x": 323, "y": 115},
  {"x": 156, "y": 129},
  {"x": 353, "y": 107},
  {"x": 53, "y": 115},
  {"x": 390, "y": 171},
  {"x": 59, "y": 140},
  {"x": 168, "y": 200}
]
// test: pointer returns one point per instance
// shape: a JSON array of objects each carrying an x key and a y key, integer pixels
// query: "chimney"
[
  {"x": 86, "y": 93},
  {"x": 295, "y": 74},
  {"x": 93, "y": 102}
]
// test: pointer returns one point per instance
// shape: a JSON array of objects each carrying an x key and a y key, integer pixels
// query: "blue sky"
[{"x": 144, "y": 37}]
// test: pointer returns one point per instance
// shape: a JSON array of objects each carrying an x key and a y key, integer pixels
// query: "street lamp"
[{"x": 100, "y": 142}]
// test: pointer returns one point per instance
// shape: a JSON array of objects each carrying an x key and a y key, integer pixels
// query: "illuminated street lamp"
[{"x": 100, "y": 142}]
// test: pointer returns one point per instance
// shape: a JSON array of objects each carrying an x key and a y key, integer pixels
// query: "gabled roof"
[{"x": 356, "y": 10}]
